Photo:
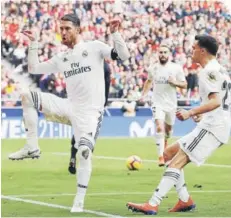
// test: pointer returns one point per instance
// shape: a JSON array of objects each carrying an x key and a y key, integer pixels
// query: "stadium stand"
[{"x": 144, "y": 26}]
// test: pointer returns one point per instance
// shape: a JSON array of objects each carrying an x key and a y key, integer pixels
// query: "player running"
[
  {"x": 82, "y": 67},
  {"x": 165, "y": 76},
  {"x": 211, "y": 132}
]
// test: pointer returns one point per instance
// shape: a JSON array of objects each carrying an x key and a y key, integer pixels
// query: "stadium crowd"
[{"x": 145, "y": 24}]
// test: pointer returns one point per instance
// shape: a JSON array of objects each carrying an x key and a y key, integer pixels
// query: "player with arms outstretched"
[
  {"x": 82, "y": 67},
  {"x": 212, "y": 131},
  {"x": 165, "y": 76}
]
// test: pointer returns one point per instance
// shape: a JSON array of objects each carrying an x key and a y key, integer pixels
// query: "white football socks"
[
  {"x": 181, "y": 187},
  {"x": 160, "y": 143},
  {"x": 169, "y": 179},
  {"x": 84, "y": 170},
  {"x": 30, "y": 117}
]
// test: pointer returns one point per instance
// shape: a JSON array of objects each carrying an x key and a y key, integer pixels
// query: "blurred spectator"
[
  {"x": 18, "y": 55},
  {"x": 145, "y": 24},
  {"x": 7, "y": 47},
  {"x": 9, "y": 89},
  {"x": 129, "y": 107}
]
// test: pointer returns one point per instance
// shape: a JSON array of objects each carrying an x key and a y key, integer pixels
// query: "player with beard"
[
  {"x": 211, "y": 132},
  {"x": 165, "y": 76},
  {"x": 82, "y": 68}
]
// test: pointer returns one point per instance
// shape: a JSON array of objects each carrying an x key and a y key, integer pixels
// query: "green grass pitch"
[{"x": 112, "y": 185}]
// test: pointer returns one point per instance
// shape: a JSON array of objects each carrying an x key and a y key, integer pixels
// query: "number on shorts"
[{"x": 227, "y": 87}]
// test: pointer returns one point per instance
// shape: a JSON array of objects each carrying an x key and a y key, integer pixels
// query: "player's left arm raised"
[
  {"x": 120, "y": 50},
  {"x": 180, "y": 80}
]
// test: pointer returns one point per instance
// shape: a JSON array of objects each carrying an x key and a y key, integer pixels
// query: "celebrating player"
[
  {"x": 211, "y": 132},
  {"x": 82, "y": 67},
  {"x": 165, "y": 77}
]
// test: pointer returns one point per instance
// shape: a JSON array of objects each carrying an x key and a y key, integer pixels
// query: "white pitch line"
[
  {"x": 116, "y": 193},
  {"x": 152, "y": 161},
  {"x": 56, "y": 206},
  {"x": 217, "y": 165}
]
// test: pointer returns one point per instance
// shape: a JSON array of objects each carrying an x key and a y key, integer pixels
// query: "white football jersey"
[
  {"x": 164, "y": 94},
  {"x": 213, "y": 79},
  {"x": 83, "y": 71}
]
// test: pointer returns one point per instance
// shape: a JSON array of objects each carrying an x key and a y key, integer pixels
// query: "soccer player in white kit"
[
  {"x": 165, "y": 76},
  {"x": 212, "y": 131},
  {"x": 83, "y": 69}
]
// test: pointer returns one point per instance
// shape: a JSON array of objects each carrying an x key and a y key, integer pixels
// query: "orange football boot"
[
  {"x": 182, "y": 206},
  {"x": 145, "y": 208}
]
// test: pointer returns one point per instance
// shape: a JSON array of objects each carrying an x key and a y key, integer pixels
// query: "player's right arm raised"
[
  {"x": 120, "y": 46},
  {"x": 34, "y": 67}
]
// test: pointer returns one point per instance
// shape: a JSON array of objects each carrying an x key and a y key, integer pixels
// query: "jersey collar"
[
  {"x": 214, "y": 60},
  {"x": 78, "y": 44},
  {"x": 75, "y": 46}
]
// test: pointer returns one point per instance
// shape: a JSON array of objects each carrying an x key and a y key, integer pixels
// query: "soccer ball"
[{"x": 133, "y": 162}]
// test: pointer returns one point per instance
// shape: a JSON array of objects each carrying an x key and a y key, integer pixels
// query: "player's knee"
[
  {"x": 85, "y": 148},
  {"x": 180, "y": 160},
  {"x": 84, "y": 152},
  {"x": 84, "y": 156},
  {"x": 170, "y": 152},
  {"x": 159, "y": 128},
  {"x": 167, "y": 156},
  {"x": 31, "y": 99},
  {"x": 26, "y": 97}
]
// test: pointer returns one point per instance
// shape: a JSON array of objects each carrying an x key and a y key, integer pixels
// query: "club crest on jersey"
[
  {"x": 212, "y": 77},
  {"x": 84, "y": 54},
  {"x": 65, "y": 59}
]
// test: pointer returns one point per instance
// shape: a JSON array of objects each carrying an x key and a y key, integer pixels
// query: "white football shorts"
[
  {"x": 199, "y": 145},
  {"x": 167, "y": 116},
  {"x": 57, "y": 109}
]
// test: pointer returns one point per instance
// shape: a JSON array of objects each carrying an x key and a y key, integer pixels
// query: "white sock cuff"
[
  {"x": 172, "y": 173},
  {"x": 181, "y": 181}
]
